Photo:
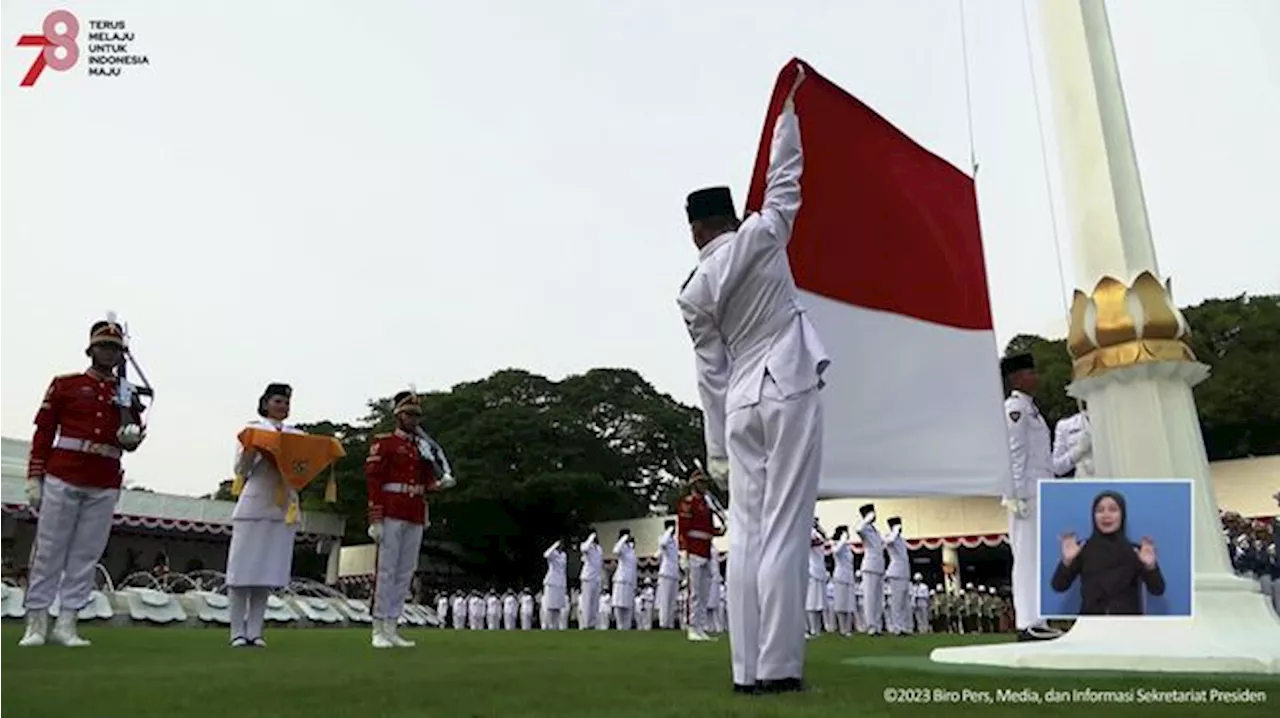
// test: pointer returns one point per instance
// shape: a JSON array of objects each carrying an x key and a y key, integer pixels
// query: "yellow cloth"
[{"x": 299, "y": 458}]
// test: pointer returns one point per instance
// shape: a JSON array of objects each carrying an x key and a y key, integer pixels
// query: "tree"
[
  {"x": 535, "y": 460},
  {"x": 1239, "y": 405}
]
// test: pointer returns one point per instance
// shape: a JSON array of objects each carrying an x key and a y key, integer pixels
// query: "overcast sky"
[{"x": 353, "y": 196}]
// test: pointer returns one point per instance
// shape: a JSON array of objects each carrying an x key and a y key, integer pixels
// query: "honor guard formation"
[{"x": 760, "y": 365}]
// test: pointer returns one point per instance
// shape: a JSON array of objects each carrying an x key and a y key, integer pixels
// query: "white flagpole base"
[{"x": 1234, "y": 630}]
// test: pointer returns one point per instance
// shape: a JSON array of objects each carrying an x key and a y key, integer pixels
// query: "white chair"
[
  {"x": 357, "y": 611},
  {"x": 151, "y": 606},
  {"x": 317, "y": 610},
  {"x": 278, "y": 611},
  {"x": 209, "y": 607}
]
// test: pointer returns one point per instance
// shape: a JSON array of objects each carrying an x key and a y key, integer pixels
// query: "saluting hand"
[
  {"x": 1070, "y": 548},
  {"x": 791, "y": 96},
  {"x": 1147, "y": 552}
]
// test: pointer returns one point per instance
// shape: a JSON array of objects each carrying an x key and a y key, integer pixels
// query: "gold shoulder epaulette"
[{"x": 376, "y": 437}]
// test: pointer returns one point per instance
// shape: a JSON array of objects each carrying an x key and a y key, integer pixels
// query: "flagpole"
[{"x": 1136, "y": 373}]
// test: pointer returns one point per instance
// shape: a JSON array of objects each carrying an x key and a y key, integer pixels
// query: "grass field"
[{"x": 191, "y": 673}]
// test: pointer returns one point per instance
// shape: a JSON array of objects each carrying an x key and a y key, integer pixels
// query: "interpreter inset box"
[{"x": 1115, "y": 548}]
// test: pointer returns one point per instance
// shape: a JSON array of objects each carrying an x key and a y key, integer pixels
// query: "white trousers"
[
  {"x": 526, "y": 620},
  {"x": 459, "y": 620},
  {"x": 899, "y": 605},
  {"x": 873, "y": 602},
  {"x": 495, "y": 620},
  {"x": 248, "y": 608},
  {"x": 72, "y": 531},
  {"x": 859, "y": 610},
  {"x": 699, "y": 592},
  {"x": 397, "y": 560},
  {"x": 922, "y": 618},
  {"x": 1024, "y": 545},
  {"x": 588, "y": 604},
  {"x": 775, "y": 455},
  {"x": 509, "y": 620},
  {"x": 666, "y": 601},
  {"x": 644, "y": 617}
]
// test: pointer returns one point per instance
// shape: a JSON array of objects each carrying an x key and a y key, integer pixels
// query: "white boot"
[
  {"x": 396, "y": 639},
  {"x": 64, "y": 630},
  {"x": 380, "y": 639},
  {"x": 37, "y": 627},
  {"x": 697, "y": 634}
]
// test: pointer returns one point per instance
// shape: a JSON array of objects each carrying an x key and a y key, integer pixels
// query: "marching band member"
[
  {"x": 843, "y": 602},
  {"x": 493, "y": 611},
  {"x": 760, "y": 364},
  {"x": 73, "y": 483},
  {"x": 896, "y": 578},
  {"x": 263, "y": 525},
  {"x": 872, "y": 570},
  {"x": 696, "y": 531},
  {"x": 402, "y": 467},
  {"x": 589, "y": 578},
  {"x": 510, "y": 609},
  {"x": 553, "y": 588},
  {"x": 459, "y": 611},
  {"x": 526, "y": 610},
  {"x": 668, "y": 575},
  {"x": 814, "y": 597},
  {"x": 624, "y": 580}
]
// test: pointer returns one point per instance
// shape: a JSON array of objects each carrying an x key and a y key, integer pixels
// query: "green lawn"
[{"x": 191, "y": 673}]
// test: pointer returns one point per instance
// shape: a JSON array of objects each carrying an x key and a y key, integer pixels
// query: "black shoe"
[
  {"x": 1030, "y": 634},
  {"x": 744, "y": 689},
  {"x": 780, "y": 685}
]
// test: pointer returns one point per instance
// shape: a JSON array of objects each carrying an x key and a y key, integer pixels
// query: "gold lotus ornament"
[{"x": 1119, "y": 326}]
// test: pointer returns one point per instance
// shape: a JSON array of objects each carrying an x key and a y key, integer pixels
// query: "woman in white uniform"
[
  {"x": 261, "y": 555},
  {"x": 554, "y": 599},
  {"x": 844, "y": 603}
]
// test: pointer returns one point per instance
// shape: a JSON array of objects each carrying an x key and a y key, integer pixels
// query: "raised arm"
[
  {"x": 551, "y": 549},
  {"x": 786, "y": 165},
  {"x": 586, "y": 543},
  {"x": 711, "y": 361}
]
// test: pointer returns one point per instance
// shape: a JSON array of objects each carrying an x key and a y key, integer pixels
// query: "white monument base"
[{"x": 1234, "y": 630}]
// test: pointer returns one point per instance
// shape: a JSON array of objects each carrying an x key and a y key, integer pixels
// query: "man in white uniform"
[
  {"x": 510, "y": 608},
  {"x": 526, "y": 610},
  {"x": 442, "y": 610},
  {"x": 1072, "y": 437},
  {"x": 859, "y": 606},
  {"x": 668, "y": 575},
  {"x": 589, "y": 577},
  {"x": 842, "y": 581},
  {"x": 1031, "y": 459},
  {"x": 459, "y": 611},
  {"x": 872, "y": 570},
  {"x": 493, "y": 611},
  {"x": 624, "y": 580},
  {"x": 760, "y": 366},
  {"x": 815, "y": 593},
  {"x": 644, "y": 607},
  {"x": 920, "y": 603},
  {"x": 554, "y": 598},
  {"x": 896, "y": 577}
]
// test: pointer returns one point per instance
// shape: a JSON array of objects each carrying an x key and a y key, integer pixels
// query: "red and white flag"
[{"x": 887, "y": 254}]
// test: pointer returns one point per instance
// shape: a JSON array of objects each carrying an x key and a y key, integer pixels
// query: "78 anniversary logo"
[{"x": 108, "y": 48}]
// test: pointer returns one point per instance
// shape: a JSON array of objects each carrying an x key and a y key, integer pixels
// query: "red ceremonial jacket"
[
  {"x": 394, "y": 460},
  {"x": 79, "y": 410},
  {"x": 694, "y": 526}
]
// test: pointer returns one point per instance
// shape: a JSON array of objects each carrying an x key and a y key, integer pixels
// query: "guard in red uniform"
[
  {"x": 696, "y": 529},
  {"x": 73, "y": 482},
  {"x": 402, "y": 468}
]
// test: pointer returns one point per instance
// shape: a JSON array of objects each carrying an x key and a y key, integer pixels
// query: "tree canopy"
[{"x": 1239, "y": 405}]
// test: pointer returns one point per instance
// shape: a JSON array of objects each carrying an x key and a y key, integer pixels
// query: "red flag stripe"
[{"x": 885, "y": 224}]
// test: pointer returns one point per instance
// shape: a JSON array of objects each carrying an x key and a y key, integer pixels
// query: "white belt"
[
  {"x": 87, "y": 447},
  {"x": 410, "y": 489},
  {"x": 698, "y": 534}
]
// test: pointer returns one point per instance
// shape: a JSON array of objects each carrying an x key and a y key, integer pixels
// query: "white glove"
[
  {"x": 718, "y": 469},
  {"x": 375, "y": 531},
  {"x": 1082, "y": 449},
  {"x": 448, "y": 482},
  {"x": 1016, "y": 507},
  {"x": 34, "y": 491}
]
